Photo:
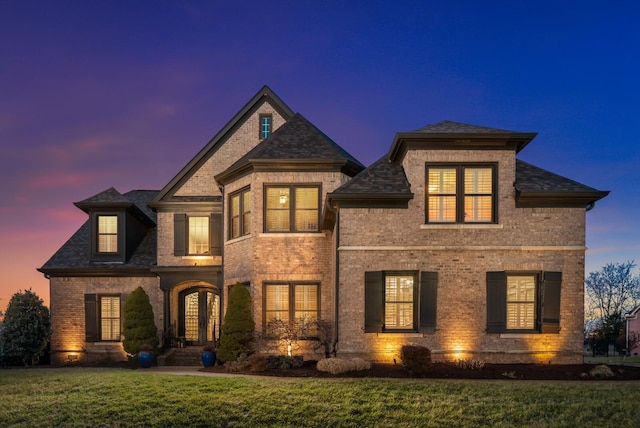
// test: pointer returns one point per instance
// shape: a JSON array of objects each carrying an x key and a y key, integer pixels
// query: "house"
[
  {"x": 447, "y": 241},
  {"x": 633, "y": 331}
]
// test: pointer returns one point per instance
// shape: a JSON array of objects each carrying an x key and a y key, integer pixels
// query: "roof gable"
[
  {"x": 264, "y": 95},
  {"x": 296, "y": 145}
]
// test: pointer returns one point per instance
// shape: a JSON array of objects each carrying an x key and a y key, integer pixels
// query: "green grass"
[{"x": 124, "y": 398}]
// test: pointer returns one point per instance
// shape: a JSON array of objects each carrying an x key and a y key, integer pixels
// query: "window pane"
[
  {"x": 246, "y": 212},
  {"x": 306, "y": 209},
  {"x": 478, "y": 208},
  {"x": 235, "y": 216},
  {"x": 442, "y": 181},
  {"x": 278, "y": 200},
  {"x": 478, "y": 181},
  {"x": 521, "y": 302},
  {"x": 198, "y": 235},
  {"x": 265, "y": 126},
  {"x": 277, "y": 302},
  {"x": 442, "y": 208},
  {"x": 399, "y": 302},
  {"x": 108, "y": 234},
  {"x": 110, "y": 318}
]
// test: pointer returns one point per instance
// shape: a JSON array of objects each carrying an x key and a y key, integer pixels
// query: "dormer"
[{"x": 117, "y": 225}]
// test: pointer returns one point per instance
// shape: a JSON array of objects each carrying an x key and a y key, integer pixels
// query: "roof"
[
  {"x": 135, "y": 201},
  {"x": 296, "y": 145},
  {"x": 382, "y": 184},
  {"x": 538, "y": 187},
  {"x": 455, "y": 135},
  {"x": 265, "y": 94},
  {"x": 75, "y": 253}
]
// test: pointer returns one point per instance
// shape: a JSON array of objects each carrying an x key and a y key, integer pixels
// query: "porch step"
[{"x": 188, "y": 356}]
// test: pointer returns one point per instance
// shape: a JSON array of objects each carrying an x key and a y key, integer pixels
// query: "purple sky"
[{"x": 96, "y": 94}]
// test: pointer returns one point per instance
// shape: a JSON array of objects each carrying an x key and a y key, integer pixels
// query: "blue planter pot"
[
  {"x": 145, "y": 359},
  {"x": 208, "y": 359}
]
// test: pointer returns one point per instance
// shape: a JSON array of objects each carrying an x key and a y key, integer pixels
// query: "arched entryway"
[{"x": 199, "y": 315}]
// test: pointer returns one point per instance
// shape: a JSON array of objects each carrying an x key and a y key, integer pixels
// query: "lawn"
[{"x": 123, "y": 398}]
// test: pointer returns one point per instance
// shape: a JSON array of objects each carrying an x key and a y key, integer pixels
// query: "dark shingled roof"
[
  {"x": 75, "y": 253},
  {"x": 381, "y": 177},
  {"x": 449, "y": 127},
  {"x": 297, "y": 139},
  {"x": 530, "y": 178}
]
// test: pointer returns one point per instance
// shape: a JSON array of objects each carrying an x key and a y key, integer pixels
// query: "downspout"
[
  {"x": 221, "y": 275},
  {"x": 337, "y": 285}
]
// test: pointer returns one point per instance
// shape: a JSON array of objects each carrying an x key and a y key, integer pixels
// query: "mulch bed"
[{"x": 451, "y": 371}]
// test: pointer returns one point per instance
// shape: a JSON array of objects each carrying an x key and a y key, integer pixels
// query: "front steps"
[{"x": 187, "y": 356}]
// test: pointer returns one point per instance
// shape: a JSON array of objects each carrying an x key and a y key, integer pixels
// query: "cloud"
[{"x": 57, "y": 180}]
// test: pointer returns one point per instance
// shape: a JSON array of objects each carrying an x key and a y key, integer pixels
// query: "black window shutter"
[
  {"x": 91, "y": 317},
  {"x": 496, "y": 302},
  {"x": 373, "y": 302},
  {"x": 551, "y": 302},
  {"x": 215, "y": 234},
  {"x": 179, "y": 234},
  {"x": 428, "y": 301}
]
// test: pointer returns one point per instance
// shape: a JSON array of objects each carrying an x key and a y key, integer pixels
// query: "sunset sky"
[{"x": 95, "y": 94}]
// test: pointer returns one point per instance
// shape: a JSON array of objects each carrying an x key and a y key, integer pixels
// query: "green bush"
[
  {"x": 238, "y": 325},
  {"x": 139, "y": 325},
  {"x": 25, "y": 330},
  {"x": 416, "y": 359}
]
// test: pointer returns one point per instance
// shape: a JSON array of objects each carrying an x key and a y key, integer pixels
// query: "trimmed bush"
[
  {"x": 139, "y": 325},
  {"x": 341, "y": 365},
  {"x": 238, "y": 325},
  {"x": 416, "y": 359},
  {"x": 601, "y": 372}
]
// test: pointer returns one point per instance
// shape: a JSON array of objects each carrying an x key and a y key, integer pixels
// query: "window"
[
  {"x": 197, "y": 235},
  {"x": 400, "y": 301},
  {"x": 292, "y": 208},
  {"x": 102, "y": 318},
  {"x": 291, "y": 302},
  {"x": 461, "y": 193},
  {"x": 107, "y": 234},
  {"x": 240, "y": 214},
  {"x": 523, "y": 302},
  {"x": 110, "y": 318},
  {"x": 265, "y": 126}
]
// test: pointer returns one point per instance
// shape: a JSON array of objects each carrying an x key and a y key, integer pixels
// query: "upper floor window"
[
  {"x": 292, "y": 208},
  {"x": 240, "y": 213},
  {"x": 107, "y": 234},
  {"x": 265, "y": 126},
  {"x": 461, "y": 193},
  {"x": 199, "y": 235}
]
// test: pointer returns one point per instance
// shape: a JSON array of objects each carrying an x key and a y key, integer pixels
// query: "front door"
[{"x": 199, "y": 316}]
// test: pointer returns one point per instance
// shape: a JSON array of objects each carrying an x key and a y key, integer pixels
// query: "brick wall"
[{"x": 68, "y": 317}]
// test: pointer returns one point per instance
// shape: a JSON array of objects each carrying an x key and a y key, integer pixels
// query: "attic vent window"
[{"x": 265, "y": 126}]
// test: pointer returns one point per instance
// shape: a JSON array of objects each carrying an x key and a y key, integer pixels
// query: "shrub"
[
  {"x": 470, "y": 364},
  {"x": 139, "y": 326},
  {"x": 253, "y": 363},
  {"x": 238, "y": 325},
  {"x": 416, "y": 359},
  {"x": 341, "y": 365},
  {"x": 25, "y": 330},
  {"x": 284, "y": 362},
  {"x": 601, "y": 372}
]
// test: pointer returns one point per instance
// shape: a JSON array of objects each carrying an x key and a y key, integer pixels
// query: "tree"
[
  {"x": 611, "y": 292},
  {"x": 139, "y": 325},
  {"x": 238, "y": 325},
  {"x": 26, "y": 328}
]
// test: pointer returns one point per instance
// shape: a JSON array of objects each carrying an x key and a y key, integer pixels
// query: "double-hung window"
[
  {"x": 265, "y": 125},
  {"x": 292, "y": 208},
  {"x": 461, "y": 193},
  {"x": 102, "y": 317},
  {"x": 291, "y": 304},
  {"x": 198, "y": 235},
  {"x": 400, "y": 301},
  {"x": 107, "y": 234},
  {"x": 240, "y": 213},
  {"x": 523, "y": 302}
]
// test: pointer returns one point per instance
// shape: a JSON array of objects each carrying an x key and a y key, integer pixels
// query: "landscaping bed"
[{"x": 452, "y": 371}]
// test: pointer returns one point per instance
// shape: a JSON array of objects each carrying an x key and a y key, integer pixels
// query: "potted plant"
[
  {"x": 208, "y": 355},
  {"x": 145, "y": 355}
]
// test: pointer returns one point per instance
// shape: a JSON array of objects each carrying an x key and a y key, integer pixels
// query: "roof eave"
[{"x": 533, "y": 199}]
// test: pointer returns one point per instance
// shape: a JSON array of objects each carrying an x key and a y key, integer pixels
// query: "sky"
[{"x": 95, "y": 94}]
